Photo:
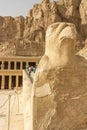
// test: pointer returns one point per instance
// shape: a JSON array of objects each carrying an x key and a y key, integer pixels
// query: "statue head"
[{"x": 60, "y": 40}]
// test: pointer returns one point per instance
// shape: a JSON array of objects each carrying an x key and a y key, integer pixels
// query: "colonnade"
[
  {"x": 10, "y": 81},
  {"x": 11, "y": 70},
  {"x": 15, "y": 65}
]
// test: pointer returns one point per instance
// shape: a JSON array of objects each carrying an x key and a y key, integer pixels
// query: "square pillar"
[
  {"x": 2, "y": 65},
  {"x": 21, "y": 65},
  {"x": 3, "y": 82},
  {"x": 9, "y": 65},
  {"x": 15, "y": 65},
  {"x": 17, "y": 81},
  {"x": 10, "y": 78},
  {"x": 27, "y": 64}
]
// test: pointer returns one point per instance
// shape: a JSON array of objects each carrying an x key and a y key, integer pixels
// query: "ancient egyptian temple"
[
  {"x": 11, "y": 70},
  {"x": 53, "y": 39}
]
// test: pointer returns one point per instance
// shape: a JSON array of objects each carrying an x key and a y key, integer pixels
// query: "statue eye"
[{"x": 49, "y": 31}]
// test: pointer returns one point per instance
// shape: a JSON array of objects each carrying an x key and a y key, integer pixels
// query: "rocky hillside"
[{"x": 29, "y": 32}]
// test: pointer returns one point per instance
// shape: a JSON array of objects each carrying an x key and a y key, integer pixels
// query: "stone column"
[
  {"x": 27, "y": 64},
  {"x": 10, "y": 81},
  {"x": 21, "y": 65},
  {"x": 9, "y": 65},
  {"x": 27, "y": 102},
  {"x": 2, "y": 65},
  {"x": 3, "y": 81},
  {"x": 15, "y": 65},
  {"x": 17, "y": 81}
]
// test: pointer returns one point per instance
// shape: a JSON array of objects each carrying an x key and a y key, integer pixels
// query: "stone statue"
[{"x": 60, "y": 86}]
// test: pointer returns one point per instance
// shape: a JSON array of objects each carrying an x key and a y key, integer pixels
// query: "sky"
[{"x": 16, "y": 7}]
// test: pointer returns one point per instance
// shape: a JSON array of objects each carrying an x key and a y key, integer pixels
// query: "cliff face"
[
  {"x": 11, "y": 28},
  {"x": 47, "y": 12},
  {"x": 32, "y": 29}
]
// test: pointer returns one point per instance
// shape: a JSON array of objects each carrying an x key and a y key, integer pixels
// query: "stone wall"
[
  {"x": 27, "y": 101},
  {"x": 11, "y": 110}
]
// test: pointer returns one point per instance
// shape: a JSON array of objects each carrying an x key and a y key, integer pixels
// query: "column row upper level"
[{"x": 17, "y": 63}]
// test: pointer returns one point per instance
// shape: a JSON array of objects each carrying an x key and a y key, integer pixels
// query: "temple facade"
[{"x": 11, "y": 70}]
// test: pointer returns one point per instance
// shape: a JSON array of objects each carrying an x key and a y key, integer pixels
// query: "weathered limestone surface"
[
  {"x": 48, "y": 12},
  {"x": 60, "y": 84},
  {"x": 27, "y": 91},
  {"x": 27, "y": 100},
  {"x": 10, "y": 30},
  {"x": 44, "y": 14},
  {"x": 16, "y": 116}
]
